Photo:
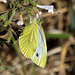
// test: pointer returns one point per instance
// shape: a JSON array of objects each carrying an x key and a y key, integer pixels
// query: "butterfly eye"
[{"x": 37, "y": 54}]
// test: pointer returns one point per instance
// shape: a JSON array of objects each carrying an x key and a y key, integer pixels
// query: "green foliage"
[
  {"x": 3, "y": 16},
  {"x": 72, "y": 26},
  {"x": 3, "y": 67},
  {"x": 59, "y": 36},
  {"x": 15, "y": 47},
  {"x": 7, "y": 18}
]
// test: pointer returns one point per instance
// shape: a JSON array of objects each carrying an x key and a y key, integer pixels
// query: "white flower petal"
[
  {"x": 51, "y": 11},
  {"x": 47, "y": 7},
  {"x": 41, "y": 6},
  {"x": 20, "y": 23},
  {"x": 37, "y": 16},
  {"x": 5, "y": 1},
  {"x": 40, "y": 12}
]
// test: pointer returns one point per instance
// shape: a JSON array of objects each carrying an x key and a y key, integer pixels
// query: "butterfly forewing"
[
  {"x": 40, "y": 54},
  {"x": 28, "y": 40}
]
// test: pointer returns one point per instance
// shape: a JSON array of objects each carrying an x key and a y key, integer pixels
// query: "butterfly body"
[{"x": 33, "y": 44}]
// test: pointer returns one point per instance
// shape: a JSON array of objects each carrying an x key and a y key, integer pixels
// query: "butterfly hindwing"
[
  {"x": 40, "y": 54},
  {"x": 28, "y": 40}
]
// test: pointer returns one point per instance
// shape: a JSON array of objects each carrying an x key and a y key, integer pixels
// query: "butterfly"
[{"x": 32, "y": 43}]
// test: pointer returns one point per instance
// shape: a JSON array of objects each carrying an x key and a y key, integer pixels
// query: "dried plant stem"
[
  {"x": 54, "y": 51},
  {"x": 62, "y": 59}
]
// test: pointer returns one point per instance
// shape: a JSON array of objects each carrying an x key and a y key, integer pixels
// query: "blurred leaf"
[
  {"x": 5, "y": 23},
  {"x": 63, "y": 35},
  {"x": 3, "y": 16},
  {"x": 2, "y": 68},
  {"x": 72, "y": 26},
  {"x": 8, "y": 39},
  {"x": 15, "y": 47},
  {"x": 11, "y": 5},
  {"x": 8, "y": 68}
]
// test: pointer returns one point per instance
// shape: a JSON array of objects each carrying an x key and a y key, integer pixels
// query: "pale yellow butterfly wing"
[
  {"x": 28, "y": 40},
  {"x": 40, "y": 55}
]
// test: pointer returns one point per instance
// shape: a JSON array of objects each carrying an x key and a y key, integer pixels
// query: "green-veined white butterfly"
[{"x": 33, "y": 44}]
